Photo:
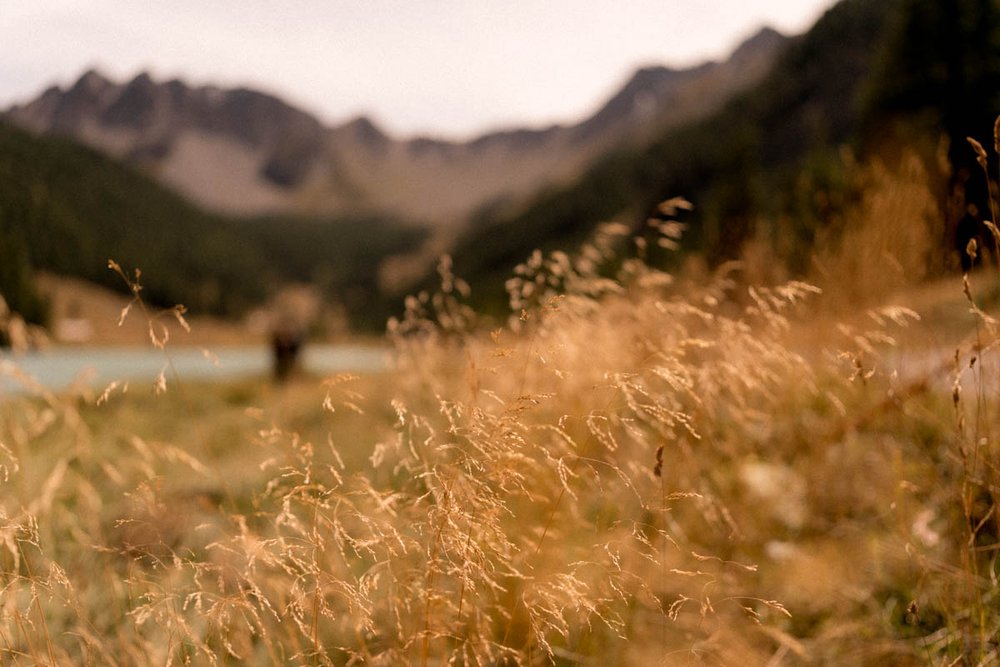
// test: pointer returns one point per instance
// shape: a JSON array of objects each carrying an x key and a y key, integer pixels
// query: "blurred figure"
[
  {"x": 286, "y": 343},
  {"x": 292, "y": 316}
]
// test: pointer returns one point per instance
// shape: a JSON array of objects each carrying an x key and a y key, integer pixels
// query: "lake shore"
[{"x": 62, "y": 367}]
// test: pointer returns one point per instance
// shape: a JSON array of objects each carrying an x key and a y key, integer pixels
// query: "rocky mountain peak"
[
  {"x": 765, "y": 41},
  {"x": 92, "y": 80},
  {"x": 135, "y": 105},
  {"x": 364, "y": 130}
]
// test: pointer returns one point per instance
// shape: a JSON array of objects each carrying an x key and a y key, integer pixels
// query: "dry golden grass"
[{"x": 632, "y": 471}]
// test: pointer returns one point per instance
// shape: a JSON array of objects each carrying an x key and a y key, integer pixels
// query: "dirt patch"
[{"x": 84, "y": 313}]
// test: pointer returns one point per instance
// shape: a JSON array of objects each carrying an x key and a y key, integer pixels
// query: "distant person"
[{"x": 286, "y": 344}]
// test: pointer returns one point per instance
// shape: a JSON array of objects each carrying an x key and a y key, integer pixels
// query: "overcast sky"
[{"x": 444, "y": 67}]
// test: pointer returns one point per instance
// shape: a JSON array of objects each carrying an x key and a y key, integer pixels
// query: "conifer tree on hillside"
[
  {"x": 941, "y": 70},
  {"x": 17, "y": 287}
]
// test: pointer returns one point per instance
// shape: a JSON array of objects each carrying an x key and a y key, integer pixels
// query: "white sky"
[{"x": 443, "y": 67}]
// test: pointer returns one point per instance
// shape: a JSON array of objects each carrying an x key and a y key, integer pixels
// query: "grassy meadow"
[{"x": 637, "y": 468}]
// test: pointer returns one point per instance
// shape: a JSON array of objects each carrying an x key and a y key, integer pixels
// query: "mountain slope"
[
  {"x": 736, "y": 165},
  {"x": 940, "y": 75},
  {"x": 247, "y": 152},
  {"x": 231, "y": 148},
  {"x": 68, "y": 209},
  {"x": 71, "y": 209}
]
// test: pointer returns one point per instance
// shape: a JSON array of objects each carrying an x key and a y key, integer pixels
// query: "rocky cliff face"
[
  {"x": 245, "y": 151},
  {"x": 238, "y": 150}
]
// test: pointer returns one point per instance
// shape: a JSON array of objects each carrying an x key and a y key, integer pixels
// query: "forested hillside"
[
  {"x": 874, "y": 77},
  {"x": 67, "y": 209}
]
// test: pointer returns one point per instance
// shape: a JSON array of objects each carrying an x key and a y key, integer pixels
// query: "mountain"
[
  {"x": 879, "y": 78},
  {"x": 753, "y": 168},
  {"x": 227, "y": 149},
  {"x": 246, "y": 152},
  {"x": 68, "y": 209}
]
